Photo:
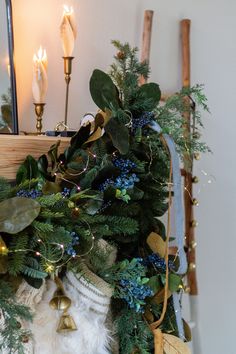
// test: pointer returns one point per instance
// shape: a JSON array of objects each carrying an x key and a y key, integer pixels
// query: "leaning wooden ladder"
[{"x": 187, "y": 171}]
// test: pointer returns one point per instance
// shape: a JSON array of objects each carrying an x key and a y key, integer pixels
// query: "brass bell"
[
  {"x": 66, "y": 324},
  {"x": 60, "y": 301}
]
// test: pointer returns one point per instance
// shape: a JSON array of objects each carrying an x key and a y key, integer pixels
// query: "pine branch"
[
  {"x": 12, "y": 335},
  {"x": 18, "y": 255}
]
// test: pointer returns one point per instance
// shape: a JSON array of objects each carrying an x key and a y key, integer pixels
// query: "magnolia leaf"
[
  {"x": 76, "y": 142},
  {"x": 103, "y": 90},
  {"x": 157, "y": 244},
  {"x": 106, "y": 115},
  {"x": 174, "y": 345},
  {"x": 174, "y": 282},
  {"x": 53, "y": 153},
  {"x": 17, "y": 213},
  {"x": 28, "y": 170},
  {"x": 43, "y": 167},
  {"x": 99, "y": 119},
  {"x": 187, "y": 331},
  {"x": 151, "y": 92},
  {"x": 96, "y": 135},
  {"x": 154, "y": 284},
  {"x": 119, "y": 135},
  {"x": 159, "y": 297}
]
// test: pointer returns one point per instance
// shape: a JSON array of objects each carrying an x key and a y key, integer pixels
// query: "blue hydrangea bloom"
[{"x": 134, "y": 293}]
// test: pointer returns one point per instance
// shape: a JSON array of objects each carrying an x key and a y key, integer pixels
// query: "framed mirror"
[{"x": 8, "y": 99}]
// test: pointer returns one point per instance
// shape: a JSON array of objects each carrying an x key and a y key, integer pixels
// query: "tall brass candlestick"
[
  {"x": 39, "y": 109},
  {"x": 67, "y": 72}
]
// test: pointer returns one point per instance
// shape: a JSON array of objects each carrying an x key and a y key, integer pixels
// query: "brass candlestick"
[
  {"x": 67, "y": 72},
  {"x": 39, "y": 109}
]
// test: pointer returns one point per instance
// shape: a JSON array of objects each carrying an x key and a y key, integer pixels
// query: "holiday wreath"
[{"x": 82, "y": 242}]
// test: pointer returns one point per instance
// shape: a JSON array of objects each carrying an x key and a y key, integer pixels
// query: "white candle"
[
  {"x": 40, "y": 80},
  {"x": 68, "y": 31}
]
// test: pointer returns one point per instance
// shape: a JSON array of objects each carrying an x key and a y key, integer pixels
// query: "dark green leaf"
[
  {"x": 53, "y": 153},
  {"x": 174, "y": 282},
  {"x": 34, "y": 282},
  {"x": 136, "y": 193},
  {"x": 155, "y": 284},
  {"x": 76, "y": 142},
  {"x": 88, "y": 179},
  {"x": 93, "y": 206},
  {"x": 119, "y": 135},
  {"x": 43, "y": 167},
  {"x": 151, "y": 92},
  {"x": 109, "y": 171},
  {"x": 103, "y": 90},
  {"x": 28, "y": 170}
]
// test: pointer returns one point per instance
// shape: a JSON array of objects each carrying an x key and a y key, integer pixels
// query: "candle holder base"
[
  {"x": 32, "y": 133},
  {"x": 67, "y": 72},
  {"x": 64, "y": 133},
  {"x": 39, "y": 109}
]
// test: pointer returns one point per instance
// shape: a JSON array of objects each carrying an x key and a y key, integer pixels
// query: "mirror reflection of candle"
[
  {"x": 68, "y": 31},
  {"x": 40, "y": 80},
  {"x": 9, "y": 70},
  {"x": 8, "y": 67}
]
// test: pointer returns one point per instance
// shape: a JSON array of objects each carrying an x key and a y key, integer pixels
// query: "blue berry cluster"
[
  {"x": 108, "y": 183},
  {"x": 134, "y": 293},
  {"x": 125, "y": 165},
  {"x": 75, "y": 241},
  {"x": 65, "y": 193},
  {"x": 125, "y": 180},
  {"x": 158, "y": 262},
  {"x": 33, "y": 193},
  {"x": 141, "y": 121}
]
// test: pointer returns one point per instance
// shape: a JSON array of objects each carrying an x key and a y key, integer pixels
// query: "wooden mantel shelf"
[{"x": 15, "y": 148}]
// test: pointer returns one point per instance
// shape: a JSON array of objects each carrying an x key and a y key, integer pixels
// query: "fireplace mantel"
[{"x": 15, "y": 148}]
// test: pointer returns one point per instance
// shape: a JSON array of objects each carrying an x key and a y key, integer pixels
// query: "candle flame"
[
  {"x": 67, "y": 10},
  {"x": 41, "y": 55}
]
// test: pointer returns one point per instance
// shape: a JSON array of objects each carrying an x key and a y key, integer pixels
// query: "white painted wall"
[{"x": 213, "y": 63}]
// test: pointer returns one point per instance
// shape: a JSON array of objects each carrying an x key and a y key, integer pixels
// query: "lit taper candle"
[
  {"x": 39, "y": 85},
  {"x": 68, "y": 36},
  {"x": 40, "y": 79},
  {"x": 68, "y": 31}
]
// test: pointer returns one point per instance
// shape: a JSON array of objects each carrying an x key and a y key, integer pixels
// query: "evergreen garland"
[{"x": 110, "y": 184}]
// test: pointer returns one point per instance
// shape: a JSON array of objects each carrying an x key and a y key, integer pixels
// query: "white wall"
[{"x": 213, "y": 63}]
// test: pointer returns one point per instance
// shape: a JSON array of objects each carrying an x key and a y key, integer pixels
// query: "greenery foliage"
[{"x": 110, "y": 184}]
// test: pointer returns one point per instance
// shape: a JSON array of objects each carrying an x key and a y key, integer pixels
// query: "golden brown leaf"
[
  {"x": 158, "y": 341},
  {"x": 159, "y": 297},
  {"x": 157, "y": 244},
  {"x": 106, "y": 115},
  {"x": 187, "y": 331},
  {"x": 96, "y": 135},
  {"x": 149, "y": 316},
  {"x": 174, "y": 345}
]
